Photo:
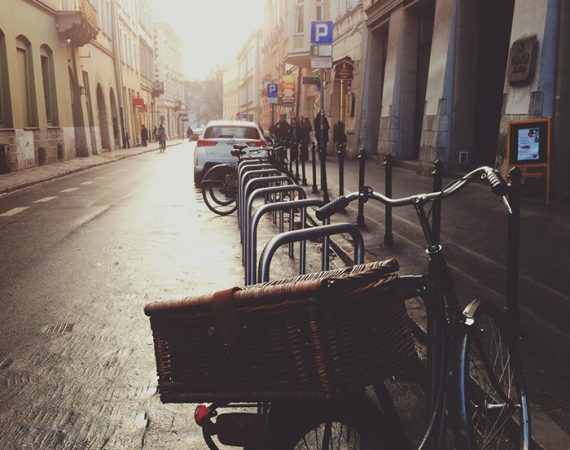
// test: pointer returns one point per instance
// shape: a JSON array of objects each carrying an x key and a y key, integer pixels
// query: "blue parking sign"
[
  {"x": 272, "y": 90},
  {"x": 322, "y": 32}
]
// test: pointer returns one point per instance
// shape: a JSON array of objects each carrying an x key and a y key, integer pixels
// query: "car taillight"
[
  {"x": 206, "y": 143},
  {"x": 260, "y": 144}
]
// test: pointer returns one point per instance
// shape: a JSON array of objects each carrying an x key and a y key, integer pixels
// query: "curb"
[{"x": 65, "y": 173}]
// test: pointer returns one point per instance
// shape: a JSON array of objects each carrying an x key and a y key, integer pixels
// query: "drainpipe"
[
  {"x": 118, "y": 69},
  {"x": 561, "y": 184}
]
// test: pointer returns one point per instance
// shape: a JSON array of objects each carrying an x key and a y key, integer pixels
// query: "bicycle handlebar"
[{"x": 492, "y": 176}]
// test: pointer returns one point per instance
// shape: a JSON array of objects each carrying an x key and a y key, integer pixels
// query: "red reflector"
[
  {"x": 260, "y": 144},
  {"x": 201, "y": 414},
  {"x": 206, "y": 143}
]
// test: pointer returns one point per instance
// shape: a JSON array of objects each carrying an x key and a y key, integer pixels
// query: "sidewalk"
[
  {"x": 474, "y": 230},
  {"x": 474, "y": 238},
  {"x": 17, "y": 180}
]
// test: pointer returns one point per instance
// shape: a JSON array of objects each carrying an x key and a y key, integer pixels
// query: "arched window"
[
  {"x": 25, "y": 82},
  {"x": 5, "y": 112},
  {"x": 48, "y": 79}
]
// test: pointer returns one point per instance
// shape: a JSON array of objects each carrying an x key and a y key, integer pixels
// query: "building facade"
[
  {"x": 249, "y": 66},
  {"x": 443, "y": 79},
  {"x": 168, "y": 74},
  {"x": 230, "y": 93},
  {"x": 57, "y": 82}
]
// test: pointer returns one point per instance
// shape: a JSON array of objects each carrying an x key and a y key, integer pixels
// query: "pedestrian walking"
[
  {"x": 189, "y": 133},
  {"x": 322, "y": 136},
  {"x": 161, "y": 136},
  {"x": 304, "y": 134},
  {"x": 127, "y": 140},
  {"x": 144, "y": 136},
  {"x": 282, "y": 131}
]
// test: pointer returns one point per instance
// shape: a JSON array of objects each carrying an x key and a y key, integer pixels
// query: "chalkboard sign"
[{"x": 528, "y": 147}]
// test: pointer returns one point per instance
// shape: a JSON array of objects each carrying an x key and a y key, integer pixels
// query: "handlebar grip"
[
  {"x": 498, "y": 184},
  {"x": 338, "y": 204}
]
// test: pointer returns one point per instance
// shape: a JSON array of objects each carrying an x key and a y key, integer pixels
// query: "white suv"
[{"x": 217, "y": 141}]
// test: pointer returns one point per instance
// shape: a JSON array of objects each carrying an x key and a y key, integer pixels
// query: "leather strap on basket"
[{"x": 226, "y": 321}]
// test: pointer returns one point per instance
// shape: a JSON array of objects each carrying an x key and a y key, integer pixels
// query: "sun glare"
[{"x": 213, "y": 30}]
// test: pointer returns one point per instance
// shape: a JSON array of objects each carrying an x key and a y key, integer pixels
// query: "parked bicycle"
[
  {"x": 220, "y": 183},
  {"x": 474, "y": 376}
]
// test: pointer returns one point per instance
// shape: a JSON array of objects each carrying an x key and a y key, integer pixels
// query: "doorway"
[
  {"x": 494, "y": 31},
  {"x": 103, "y": 123}
]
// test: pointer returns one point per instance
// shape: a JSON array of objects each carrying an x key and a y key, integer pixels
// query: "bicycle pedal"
[{"x": 240, "y": 429}]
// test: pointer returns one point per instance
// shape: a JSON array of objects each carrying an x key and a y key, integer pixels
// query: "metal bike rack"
[
  {"x": 289, "y": 188},
  {"x": 249, "y": 185},
  {"x": 243, "y": 169},
  {"x": 247, "y": 176},
  {"x": 306, "y": 234},
  {"x": 251, "y": 277}
]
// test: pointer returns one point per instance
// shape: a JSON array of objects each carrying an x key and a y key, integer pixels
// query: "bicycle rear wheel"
[
  {"x": 351, "y": 425},
  {"x": 492, "y": 398},
  {"x": 219, "y": 189}
]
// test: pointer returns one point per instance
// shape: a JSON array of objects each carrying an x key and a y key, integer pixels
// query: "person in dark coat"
[
  {"x": 323, "y": 140},
  {"x": 144, "y": 136},
  {"x": 305, "y": 129},
  {"x": 282, "y": 131}
]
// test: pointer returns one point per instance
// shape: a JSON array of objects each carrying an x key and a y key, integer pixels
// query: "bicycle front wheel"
[
  {"x": 492, "y": 405},
  {"x": 219, "y": 189}
]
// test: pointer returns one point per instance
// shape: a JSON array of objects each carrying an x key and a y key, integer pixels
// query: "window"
[
  {"x": 5, "y": 116},
  {"x": 25, "y": 79},
  {"x": 319, "y": 14},
  {"x": 48, "y": 79},
  {"x": 222, "y": 132},
  {"x": 300, "y": 16}
]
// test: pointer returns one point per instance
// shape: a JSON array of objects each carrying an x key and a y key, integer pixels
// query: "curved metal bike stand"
[
  {"x": 254, "y": 182},
  {"x": 288, "y": 188},
  {"x": 246, "y": 177},
  {"x": 251, "y": 276},
  {"x": 309, "y": 233},
  {"x": 248, "y": 166}
]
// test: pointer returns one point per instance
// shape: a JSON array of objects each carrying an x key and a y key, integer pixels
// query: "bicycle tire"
[
  {"x": 219, "y": 189},
  {"x": 350, "y": 425},
  {"x": 492, "y": 404}
]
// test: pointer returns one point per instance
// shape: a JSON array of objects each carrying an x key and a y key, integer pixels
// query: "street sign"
[
  {"x": 322, "y": 32},
  {"x": 321, "y": 62},
  {"x": 310, "y": 80},
  {"x": 321, "y": 50},
  {"x": 273, "y": 99},
  {"x": 272, "y": 90}
]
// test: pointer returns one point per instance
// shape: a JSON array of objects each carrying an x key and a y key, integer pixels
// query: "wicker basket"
[{"x": 313, "y": 336}]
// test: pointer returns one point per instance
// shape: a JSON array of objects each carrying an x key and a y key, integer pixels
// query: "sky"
[{"x": 213, "y": 30}]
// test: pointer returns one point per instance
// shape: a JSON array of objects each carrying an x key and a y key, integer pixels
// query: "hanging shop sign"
[
  {"x": 288, "y": 85},
  {"x": 344, "y": 71},
  {"x": 528, "y": 148},
  {"x": 138, "y": 101},
  {"x": 522, "y": 61}
]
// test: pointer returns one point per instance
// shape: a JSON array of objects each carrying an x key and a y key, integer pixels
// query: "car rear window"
[{"x": 231, "y": 132}]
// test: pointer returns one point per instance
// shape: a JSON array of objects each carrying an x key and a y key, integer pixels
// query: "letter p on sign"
[{"x": 322, "y": 32}]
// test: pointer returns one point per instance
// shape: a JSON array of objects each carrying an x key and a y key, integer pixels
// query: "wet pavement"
[{"x": 473, "y": 231}]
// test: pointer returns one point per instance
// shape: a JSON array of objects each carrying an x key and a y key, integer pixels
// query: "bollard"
[
  {"x": 513, "y": 246},
  {"x": 324, "y": 186},
  {"x": 361, "y": 163},
  {"x": 388, "y": 236},
  {"x": 437, "y": 174},
  {"x": 340, "y": 150},
  {"x": 314, "y": 162}
]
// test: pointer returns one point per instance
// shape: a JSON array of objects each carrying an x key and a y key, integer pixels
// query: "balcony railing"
[{"x": 77, "y": 21}]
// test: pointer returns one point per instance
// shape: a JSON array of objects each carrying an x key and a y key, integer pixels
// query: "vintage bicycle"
[{"x": 474, "y": 379}]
